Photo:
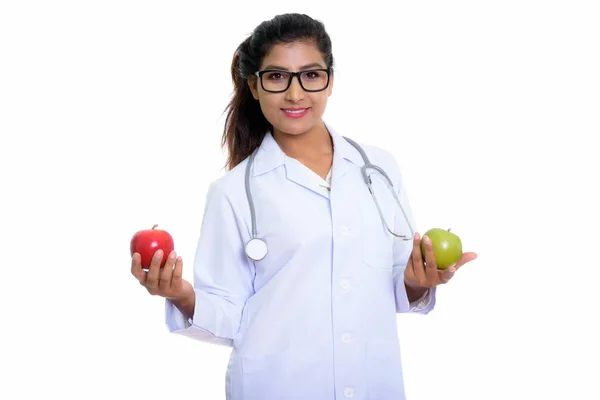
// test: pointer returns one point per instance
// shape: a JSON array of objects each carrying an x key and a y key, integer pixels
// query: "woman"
[{"x": 313, "y": 316}]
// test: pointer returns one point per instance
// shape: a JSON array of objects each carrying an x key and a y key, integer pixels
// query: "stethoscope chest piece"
[{"x": 256, "y": 249}]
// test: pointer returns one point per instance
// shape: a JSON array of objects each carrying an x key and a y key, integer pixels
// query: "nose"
[{"x": 295, "y": 93}]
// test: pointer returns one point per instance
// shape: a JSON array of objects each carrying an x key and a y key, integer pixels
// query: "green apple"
[{"x": 447, "y": 247}]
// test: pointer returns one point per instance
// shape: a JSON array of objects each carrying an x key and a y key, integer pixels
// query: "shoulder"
[
  {"x": 383, "y": 158},
  {"x": 230, "y": 185},
  {"x": 377, "y": 154},
  {"x": 380, "y": 155}
]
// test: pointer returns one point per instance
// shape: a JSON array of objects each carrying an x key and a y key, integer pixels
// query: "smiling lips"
[{"x": 295, "y": 112}]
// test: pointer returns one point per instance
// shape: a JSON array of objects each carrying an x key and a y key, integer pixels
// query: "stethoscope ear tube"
[
  {"x": 256, "y": 248},
  {"x": 248, "y": 192}
]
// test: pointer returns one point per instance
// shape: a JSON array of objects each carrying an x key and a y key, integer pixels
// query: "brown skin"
[
  {"x": 307, "y": 140},
  {"x": 166, "y": 282},
  {"x": 423, "y": 274}
]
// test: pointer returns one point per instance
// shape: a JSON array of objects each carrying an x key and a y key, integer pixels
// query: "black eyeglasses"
[{"x": 277, "y": 81}]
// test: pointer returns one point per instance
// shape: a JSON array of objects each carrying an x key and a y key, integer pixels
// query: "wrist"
[
  {"x": 187, "y": 295},
  {"x": 186, "y": 303},
  {"x": 413, "y": 291}
]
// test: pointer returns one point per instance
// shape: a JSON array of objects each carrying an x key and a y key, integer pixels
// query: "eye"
[
  {"x": 274, "y": 76},
  {"x": 312, "y": 75}
]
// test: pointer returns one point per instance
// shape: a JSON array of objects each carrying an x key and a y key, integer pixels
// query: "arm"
[
  {"x": 186, "y": 304},
  {"x": 223, "y": 277},
  {"x": 408, "y": 299},
  {"x": 411, "y": 300}
]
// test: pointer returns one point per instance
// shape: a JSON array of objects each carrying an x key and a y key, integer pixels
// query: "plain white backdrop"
[{"x": 111, "y": 116}]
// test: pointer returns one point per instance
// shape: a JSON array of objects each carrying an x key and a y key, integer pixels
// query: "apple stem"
[
  {"x": 155, "y": 225},
  {"x": 448, "y": 229}
]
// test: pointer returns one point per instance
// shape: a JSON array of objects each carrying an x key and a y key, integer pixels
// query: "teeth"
[{"x": 295, "y": 111}]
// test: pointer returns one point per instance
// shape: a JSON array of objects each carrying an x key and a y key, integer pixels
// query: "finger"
[
  {"x": 154, "y": 271},
  {"x": 417, "y": 261},
  {"x": 177, "y": 272},
  {"x": 167, "y": 272},
  {"x": 176, "y": 279},
  {"x": 447, "y": 274},
  {"x": 465, "y": 258},
  {"x": 431, "y": 270},
  {"x": 136, "y": 268},
  {"x": 409, "y": 272}
]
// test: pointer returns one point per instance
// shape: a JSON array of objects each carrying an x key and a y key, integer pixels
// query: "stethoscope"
[{"x": 256, "y": 248}]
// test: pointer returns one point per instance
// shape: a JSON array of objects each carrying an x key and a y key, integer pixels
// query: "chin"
[
  {"x": 295, "y": 128},
  {"x": 294, "y": 131}
]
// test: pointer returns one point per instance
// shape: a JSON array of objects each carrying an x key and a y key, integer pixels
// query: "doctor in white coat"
[{"x": 310, "y": 309}]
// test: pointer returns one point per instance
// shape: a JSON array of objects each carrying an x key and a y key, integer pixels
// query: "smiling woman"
[
  {"x": 311, "y": 313},
  {"x": 291, "y": 57},
  {"x": 294, "y": 102},
  {"x": 282, "y": 97}
]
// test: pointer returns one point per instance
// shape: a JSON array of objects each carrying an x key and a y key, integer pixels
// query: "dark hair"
[{"x": 245, "y": 125}]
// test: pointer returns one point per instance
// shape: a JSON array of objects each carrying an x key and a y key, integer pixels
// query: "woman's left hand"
[{"x": 424, "y": 274}]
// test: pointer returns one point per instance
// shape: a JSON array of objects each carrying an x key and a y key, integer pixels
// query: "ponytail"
[{"x": 245, "y": 125}]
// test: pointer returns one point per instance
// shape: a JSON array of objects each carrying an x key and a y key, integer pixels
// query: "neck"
[{"x": 312, "y": 144}]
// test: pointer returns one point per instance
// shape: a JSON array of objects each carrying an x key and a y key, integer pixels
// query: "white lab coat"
[{"x": 316, "y": 318}]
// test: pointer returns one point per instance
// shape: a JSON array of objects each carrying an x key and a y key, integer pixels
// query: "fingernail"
[
  {"x": 426, "y": 239},
  {"x": 158, "y": 254},
  {"x": 417, "y": 235},
  {"x": 173, "y": 255},
  {"x": 452, "y": 269}
]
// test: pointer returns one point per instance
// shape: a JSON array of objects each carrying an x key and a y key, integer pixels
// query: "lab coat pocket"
[
  {"x": 376, "y": 240},
  {"x": 297, "y": 374},
  {"x": 384, "y": 370}
]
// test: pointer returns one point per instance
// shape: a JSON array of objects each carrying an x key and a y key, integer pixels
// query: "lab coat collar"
[{"x": 270, "y": 156}]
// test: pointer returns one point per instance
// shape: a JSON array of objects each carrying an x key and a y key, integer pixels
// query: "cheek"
[
  {"x": 319, "y": 103},
  {"x": 269, "y": 105}
]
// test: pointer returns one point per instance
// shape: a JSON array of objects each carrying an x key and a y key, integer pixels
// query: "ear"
[{"x": 252, "y": 84}]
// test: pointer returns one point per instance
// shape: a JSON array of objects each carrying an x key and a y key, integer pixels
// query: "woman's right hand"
[{"x": 166, "y": 281}]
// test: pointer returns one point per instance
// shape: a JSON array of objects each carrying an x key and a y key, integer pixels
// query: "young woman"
[{"x": 298, "y": 267}]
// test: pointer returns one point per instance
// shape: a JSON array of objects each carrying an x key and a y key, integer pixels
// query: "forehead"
[{"x": 293, "y": 56}]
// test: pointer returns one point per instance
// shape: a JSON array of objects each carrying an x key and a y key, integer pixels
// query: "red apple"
[{"x": 147, "y": 242}]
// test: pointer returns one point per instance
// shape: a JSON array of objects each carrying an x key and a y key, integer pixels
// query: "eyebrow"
[{"x": 305, "y": 67}]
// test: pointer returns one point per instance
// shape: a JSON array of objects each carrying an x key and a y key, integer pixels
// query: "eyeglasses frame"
[{"x": 260, "y": 74}]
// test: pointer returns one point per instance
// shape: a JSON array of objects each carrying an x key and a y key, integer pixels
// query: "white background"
[{"x": 111, "y": 116}]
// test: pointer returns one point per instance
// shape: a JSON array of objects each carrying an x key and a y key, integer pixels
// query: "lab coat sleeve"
[
  {"x": 401, "y": 253},
  {"x": 223, "y": 276}
]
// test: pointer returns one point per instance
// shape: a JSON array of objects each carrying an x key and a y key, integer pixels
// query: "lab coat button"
[
  {"x": 345, "y": 230},
  {"x": 348, "y": 392},
  {"x": 345, "y": 284},
  {"x": 346, "y": 338}
]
